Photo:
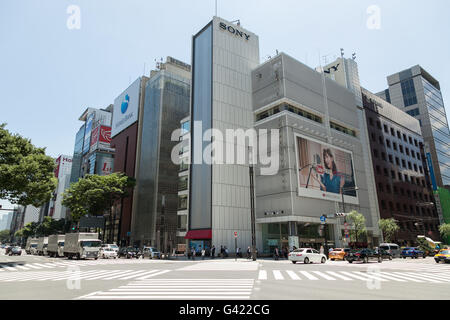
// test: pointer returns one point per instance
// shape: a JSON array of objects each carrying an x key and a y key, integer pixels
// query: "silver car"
[{"x": 151, "y": 253}]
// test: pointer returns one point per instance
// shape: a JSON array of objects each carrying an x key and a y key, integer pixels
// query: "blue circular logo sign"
[{"x": 125, "y": 103}]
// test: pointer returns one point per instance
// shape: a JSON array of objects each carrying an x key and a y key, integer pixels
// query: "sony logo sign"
[
  {"x": 234, "y": 31},
  {"x": 334, "y": 68}
]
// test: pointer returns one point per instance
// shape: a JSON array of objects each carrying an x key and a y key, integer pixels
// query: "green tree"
[
  {"x": 29, "y": 230},
  {"x": 95, "y": 194},
  {"x": 444, "y": 229},
  {"x": 4, "y": 236},
  {"x": 26, "y": 173},
  {"x": 389, "y": 227},
  {"x": 357, "y": 225}
]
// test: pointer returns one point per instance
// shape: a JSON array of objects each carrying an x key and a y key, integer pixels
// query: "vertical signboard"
[{"x": 126, "y": 108}]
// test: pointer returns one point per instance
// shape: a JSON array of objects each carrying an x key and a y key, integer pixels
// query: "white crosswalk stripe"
[
  {"x": 186, "y": 289},
  {"x": 89, "y": 275},
  {"x": 393, "y": 276}
]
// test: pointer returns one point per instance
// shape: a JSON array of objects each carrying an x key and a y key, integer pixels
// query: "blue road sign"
[{"x": 323, "y": 218}]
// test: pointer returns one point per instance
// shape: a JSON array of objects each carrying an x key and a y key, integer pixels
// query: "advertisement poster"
[{"x": 324, "y": 171}]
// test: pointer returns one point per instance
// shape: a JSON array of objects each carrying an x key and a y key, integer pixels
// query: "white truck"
[
  {"x": 41, "y": 249},
  {"x": 81, "y": 245},
  {"x": 56, "y": 245},
  {"x": 31, "y": 245}
]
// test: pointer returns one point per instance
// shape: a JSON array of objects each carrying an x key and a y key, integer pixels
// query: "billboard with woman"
[{"x": 324, "y": 171}]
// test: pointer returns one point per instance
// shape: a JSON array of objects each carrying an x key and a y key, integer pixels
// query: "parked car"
[
  {"x": 338, "y": 254},
  {"x": 392, "y": 248},
  {"x": 443, "y": 255},
  {"x": 115, "y": 247},
  {"x": 412, "y": 252},
  {"x": 151, "y": 253},
  {"x": 129, "y": 253},
  {"x": 15, "y": 251},
  {"x": 107, "y": 253},
  {"x": 385, "y": 255},
  {"x": 306, "y": 255},
  {"x": 363, "y": 255}
]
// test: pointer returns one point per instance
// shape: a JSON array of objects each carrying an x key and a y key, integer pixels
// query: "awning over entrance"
[{"x": 199, "y": 234}]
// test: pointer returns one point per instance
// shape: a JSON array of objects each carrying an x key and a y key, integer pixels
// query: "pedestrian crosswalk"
[
  {"x": 173, "y": 289},
  {"x": 399, "y": 264},
  {"x": 66, "y": 263},
  {"x": 80, "y": 275},
  {"x": 382, "y": 276}
]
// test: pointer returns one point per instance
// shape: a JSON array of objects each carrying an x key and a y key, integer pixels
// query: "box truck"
[
  {"x": 41, "y": 249},
  {"x": 56, "y": 245},
  {"x": 81, "y": 245},
  {"x": 31, "y": 245}
]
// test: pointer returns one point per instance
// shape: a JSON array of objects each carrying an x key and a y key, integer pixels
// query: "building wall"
[
  {"x": 227, "y": 208},
  {"x": 166, "y": 103},
  {"x": 399, "y": 198},
  {"x": 285, "y": 80},
  {"x": 125, "y": 145}
]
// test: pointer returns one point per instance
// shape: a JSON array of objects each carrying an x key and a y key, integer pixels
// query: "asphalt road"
[{"x": 34, "y": 277}]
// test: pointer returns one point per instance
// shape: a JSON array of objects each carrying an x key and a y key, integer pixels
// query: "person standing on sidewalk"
[
  {"x": 277, "y": 253},
  {"x": 193, "y": 253},
  {"x": 249, "y": 253},
  {"x": 203, "y": 253},
  {"x": 213, "y": 251}
]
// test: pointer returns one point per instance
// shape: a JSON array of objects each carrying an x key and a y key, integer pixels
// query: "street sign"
[
  {"x": 346, "y": 235},
  {"x": 323, "y": 219},
  {"x": 235, "y": 234}
]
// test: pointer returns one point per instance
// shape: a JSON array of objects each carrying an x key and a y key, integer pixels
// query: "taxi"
[
  {"x": 443, "y": 255},
  {"x": 337, "y": 254}
]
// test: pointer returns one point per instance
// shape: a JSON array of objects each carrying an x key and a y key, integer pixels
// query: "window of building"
[
  {"x": 388, "y": 188},
  {"x": 400, "y": 177},
  {"x": 386, "y": 128},
  {"x": 406, "y": 178},
  {"x": 378, "y": 124},
  {"x": 386, "y": 172},
  {"x": 418, "y": 156},
  {"x": 420, "y": 169},
  {"x": 383, "y": 156},
  {"x": 395, "y": 146},
  {"x": 182, "y": 183},
  {"x": 388, "y": 143},
  {"x": 392, "y": 132},
  {"x": 409, "y": 165},
  {"x": 413, "y": 112},
  {"x": 373, "y": 137},
  {"x": 415, "y": 167},
  {"x": 182, "y": 202},
  {"x": 415, "y": 143},
  {"x": 402, "y": 192},
  {"x": 393, "y": 174},
  {"x": 342, "y": 129},
  {"x": 383, "y": 204},
  {"x": 413, "y": 154},
  {"x": 401, "y": 148},
  {"x": 407, "y": 151},
  {"x": 380, "y": 140},
  {"x": 404, "y": 138},
  {"x": 380, "y": 187},
  {"x": 378, "y": 169},
  {"x": 397, "y": 161},
  {"x": 410, "y": 140},
  {"x": 391, "y": 159},
  {"x": 371, "y": 121},
  {"x": 399, "y": 135},
  {"x": 403, "y": 163},
  {"x": 375, "y": 153},
  {"x": 408, "y": 92}
]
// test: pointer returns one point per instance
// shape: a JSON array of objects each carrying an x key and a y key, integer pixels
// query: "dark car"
[
  {"x": 363, "y": 255},
  {"x": 15, "y": 251},
  {"x": 412, "y": 252},
  {"x": 129, "y": 253},
  {"x": 385, "y": 255}
]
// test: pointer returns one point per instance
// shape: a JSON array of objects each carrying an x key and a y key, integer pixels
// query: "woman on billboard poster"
[{"x": 331, "y": 180}]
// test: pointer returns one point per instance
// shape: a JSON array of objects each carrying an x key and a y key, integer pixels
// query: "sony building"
[
  {"x": 223, "y": 55},
  {"x": 322, "y": 158}
]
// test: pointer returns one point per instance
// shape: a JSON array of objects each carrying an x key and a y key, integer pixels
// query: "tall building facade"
[
  {"x": 399, "y": 163},
  {"x": 321, "y": 158},
  {"x": 183, "y": 185},
  {"x": 155, "y": 200},
  {"x": 418, "y": 93},
  {"x": 62, "y": 173},
  {"x": 223, "y": 55}
]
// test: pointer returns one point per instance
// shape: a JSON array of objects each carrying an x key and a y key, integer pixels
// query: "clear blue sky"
[{"x": 50, "y": 74}]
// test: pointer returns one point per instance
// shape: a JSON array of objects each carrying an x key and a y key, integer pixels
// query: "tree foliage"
[
  {"x": 47, "y": 227},
  {"x": 389, "y": 227},
  {"x": 95, "y": 194},
  {"x": 26, "y": 173},
  {"x": 4, "y": 235},
  {"x": 444, "y": 229},
  {"x": 357, "y": 225}
]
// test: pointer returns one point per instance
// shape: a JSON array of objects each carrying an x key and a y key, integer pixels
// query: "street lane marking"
[
  {"x": 323, "y": 275},
  {"x": 337, "y": 275},
  {"x": 154, "y": 274},
  {"x": 370, "y": 275},
  {"x": 262, "y": 275},
  {"x": 308, "y": 275},
  {"x": 277, "y": 274},
  {"x": 400, "y": 275},
  {"x": 422, "y": 277},
  {"x": 293, "y": 275},
  {"x": 142, "y": 273},
  {"x": 354, "y": 276}
]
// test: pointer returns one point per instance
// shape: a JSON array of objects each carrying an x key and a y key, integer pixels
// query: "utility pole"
[{"x": 252, "y": 211}]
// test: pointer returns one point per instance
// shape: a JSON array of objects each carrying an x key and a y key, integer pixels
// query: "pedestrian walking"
[
  {"x": 277, "y": 253},
  {"x": 221, "y": 252},
  {"x": 226, "y": 252},
  {"x": 203, "y": 253},
  {"x": 213, "y": 251},
  {"x": 249, "y": 252},
  {"x": 193, "y": 253}
]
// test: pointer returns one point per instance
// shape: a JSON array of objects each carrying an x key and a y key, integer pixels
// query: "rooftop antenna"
[
  {"x": 238, "y": 22},
  {"x": 354, "y": 56},
  {"x": 342, "y": 53}
]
